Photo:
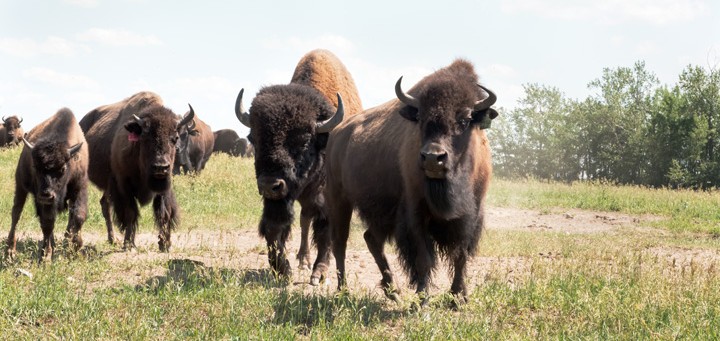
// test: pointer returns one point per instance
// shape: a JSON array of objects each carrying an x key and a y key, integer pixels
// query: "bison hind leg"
[{"x": 303, "y": 255}]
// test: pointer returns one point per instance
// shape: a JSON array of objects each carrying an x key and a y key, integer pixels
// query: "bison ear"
[
  {"x": 409, "y": 113},
  {"x": 134, "y": 128},
  {"x": 483, "y": 118}
]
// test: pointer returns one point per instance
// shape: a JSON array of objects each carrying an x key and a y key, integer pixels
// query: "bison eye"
[{"x": 174, "y": 140}]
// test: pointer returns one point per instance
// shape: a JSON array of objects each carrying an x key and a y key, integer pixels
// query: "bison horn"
[
  {"x": 137, "y": 119},
  {"x": 405, "y": 98},
  {"x": 21, "y": 119},
  {"x": 189, "y": 117},
  {"x": 242, "y": 115},
  {"x": 74, "y": 149},
  {"x": 487, "y": 101},
  {"x": 332, "y": 122},
  {"x": 27, "y": 143}
]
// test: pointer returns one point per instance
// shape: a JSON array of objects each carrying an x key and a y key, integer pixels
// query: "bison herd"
[{"x": 416, "y": 169}]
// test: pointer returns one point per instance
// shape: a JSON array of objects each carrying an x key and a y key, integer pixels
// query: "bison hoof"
[
  {"x": 304, "y": 264},
  {"x": 10, "y": 255},
  {"x": 129, "y": 246},
  {"x": 164, "y": 247},
  {"x": 392, "y": 295},
  {"x": 314, "y": 281},
  {"x": 283, "y": 269}
]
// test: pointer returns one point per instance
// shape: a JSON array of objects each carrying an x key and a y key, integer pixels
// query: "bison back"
[{"x": 322, "y": 70}]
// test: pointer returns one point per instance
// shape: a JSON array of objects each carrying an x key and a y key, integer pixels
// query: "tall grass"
[{"x": 594, "y": 286}]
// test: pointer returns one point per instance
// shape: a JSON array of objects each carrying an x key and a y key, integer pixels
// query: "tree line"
[{"x": 630, "y": 130}]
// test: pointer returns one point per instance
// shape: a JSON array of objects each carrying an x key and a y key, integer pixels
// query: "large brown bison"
[
  {"x": 11, "y": 132},
  {"x": 194, "y": 147},
  {"x": 132, "y": 149},
  {"x": 227, "y": 141},
  {"x": 416, "y": 169},
  {"x": 53, "y": 168},
  {"x": 289, "y": 126}
]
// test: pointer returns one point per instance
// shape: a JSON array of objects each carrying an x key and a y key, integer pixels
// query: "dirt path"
[{"x": 243, "y": 252}]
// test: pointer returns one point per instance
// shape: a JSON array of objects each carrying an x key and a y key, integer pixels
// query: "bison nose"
[
  {"x": 434, "y": 160},
  {"x": 433, "y": 155},
  {"x": 272, "y": 188},
  {"x": 161, "y": 169},
  {"x": 46, "y": 196}
]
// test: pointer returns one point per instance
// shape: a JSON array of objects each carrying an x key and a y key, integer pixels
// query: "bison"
[
  {"x": 53, "y": 168},
  {"x": 227, "y": 141},
  {"x": 416, "y": 169},
  {"x": 11, "y": 132},
  {"x": 289, "y": 126},
  {"x": 132, "y": 149},
  {"x": 194, "y": 148}
]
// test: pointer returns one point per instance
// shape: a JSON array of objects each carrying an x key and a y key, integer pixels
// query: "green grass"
[
  {"x": 608, "y": 285},
  {"x": 682, "y": 210}
]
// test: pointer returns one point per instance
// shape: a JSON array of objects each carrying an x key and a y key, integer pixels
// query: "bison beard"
[
  {"x": 275, "y": 224},
  {"x": 448, "y": 198}
]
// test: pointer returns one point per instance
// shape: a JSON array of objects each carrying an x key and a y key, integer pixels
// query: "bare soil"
[{"x": 242, "y": 253}]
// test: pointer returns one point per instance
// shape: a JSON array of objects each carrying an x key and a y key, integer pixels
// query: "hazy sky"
[{"x": 82, "y": 54}]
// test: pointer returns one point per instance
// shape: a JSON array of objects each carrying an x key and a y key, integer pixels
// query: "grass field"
[{"x": 653, "y": 279}]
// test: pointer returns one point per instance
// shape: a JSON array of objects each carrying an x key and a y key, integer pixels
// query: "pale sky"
[{"x": 82, "y": 54}]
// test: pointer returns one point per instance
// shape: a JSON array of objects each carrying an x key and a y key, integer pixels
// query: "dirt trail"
[{"x": 243, "y": 252}]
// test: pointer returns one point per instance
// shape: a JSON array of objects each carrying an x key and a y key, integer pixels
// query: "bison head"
[
  {"x": 448, "y": 110},
  {"x": 50, "y": 160},
  {"x": 156, "y": 132},
  {"x": 182, "y": 152},
  {"x": 13, "y": 129},
  {"x": 289, "y": 126}
]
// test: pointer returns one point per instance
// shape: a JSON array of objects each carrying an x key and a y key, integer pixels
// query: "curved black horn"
[
  {"x": 487, "y": 101},
  {"x": 187, "y": 117},
  {"x": 405, "y": 98},
  {"x": 27, "y": 143},
  {"x": 332, "y": 122},
  {"x": 74, "y": 149},
  {"x": 21, "y": 119},
  {"x": 242, "y": 115},
  {"x": 3, "y": 118}
]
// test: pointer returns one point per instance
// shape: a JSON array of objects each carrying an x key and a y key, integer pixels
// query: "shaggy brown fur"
[
  {"x": 131, "y": 160},
  {"x": 289, "y": 154},
  {"x": 396, "y": 193},
  {"x": 53, "y": 168},
  {"x": 195, "y": 147},
  {"x": 11, "y": 132}
]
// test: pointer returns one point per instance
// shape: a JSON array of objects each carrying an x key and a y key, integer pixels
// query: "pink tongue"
[{"x": 133, "y": 137}]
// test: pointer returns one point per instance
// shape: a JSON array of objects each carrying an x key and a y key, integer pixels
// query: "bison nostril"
[
  {"x": 278, "y": 186},
  {"x": 442, "y": 157},
  {"x": 161, "y": 168}
]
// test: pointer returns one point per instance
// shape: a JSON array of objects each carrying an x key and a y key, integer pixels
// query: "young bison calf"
[{"x": 53, "y": 167}]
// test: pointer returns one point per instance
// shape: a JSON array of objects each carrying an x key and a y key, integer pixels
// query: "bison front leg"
[
  {"x": 166, "y": 218},
  {"x": 47, "y": 214},
  {"x": 417, "y": 253},
  {"x": 77, "y": 215},
  {"x": 18, "y": 204},
  {"x": 321, "y": 236},
  {"x": 276, "y": 238},
  {"x": 458, "y": 289}
]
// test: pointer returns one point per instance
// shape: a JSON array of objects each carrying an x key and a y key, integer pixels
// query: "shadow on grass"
[
  {"x": 310, "y": 311},
  {"x": 190, "y": 274}
]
